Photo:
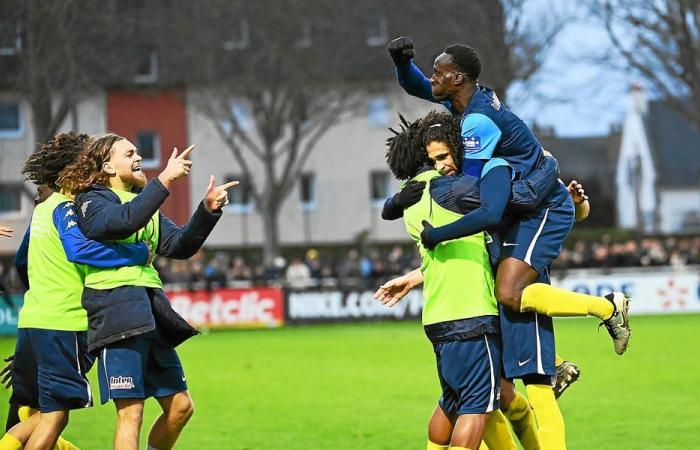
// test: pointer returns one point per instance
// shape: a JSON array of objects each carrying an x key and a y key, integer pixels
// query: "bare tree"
[
  {"x": 296, "y": 79},
  {"x": 660, "y": 40}
]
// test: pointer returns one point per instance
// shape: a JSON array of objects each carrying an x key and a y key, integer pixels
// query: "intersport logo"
[{"x": 231, "y": 307}]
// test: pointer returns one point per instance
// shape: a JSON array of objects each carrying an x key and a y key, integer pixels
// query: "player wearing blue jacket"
[
  {"x": 500, "y": 148},
  {"x": 51, "y": 342}
]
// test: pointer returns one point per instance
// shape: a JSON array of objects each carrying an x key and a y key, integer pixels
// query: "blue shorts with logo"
[
  {"x": 469, "y": 372},
  {"x": 49, "y": 370},
  {"x": 537, "y": 237},
  {"x": 139, "y": 367}
]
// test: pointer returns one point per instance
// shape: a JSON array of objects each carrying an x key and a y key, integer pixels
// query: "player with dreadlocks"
[
  {"x": 52, "y": 338},
  {"x": 460, "y": 314},
  {"x": 439, "y": 134}
]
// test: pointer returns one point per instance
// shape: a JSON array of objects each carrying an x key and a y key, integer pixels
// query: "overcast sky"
[{"x": 575, "y": 95}]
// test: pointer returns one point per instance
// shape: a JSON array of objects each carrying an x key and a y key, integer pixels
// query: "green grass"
[{"x": 373, "y": 386}]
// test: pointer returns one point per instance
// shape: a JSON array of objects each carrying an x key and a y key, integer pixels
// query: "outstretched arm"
[
  {"x": 182, "y": 243},
  {"x": 391, "y": 292},
  {"x": 409, "y": 75},
  {"x": 495, "y": 193},
  {"x": 81, "y": 250}
]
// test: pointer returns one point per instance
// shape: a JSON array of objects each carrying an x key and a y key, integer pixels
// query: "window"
[
  {"x": 10, "y": 39},
  {"x": 379, "y": 186},
  {"x": 239, "y": 197},
  {"x": 378, "y": 111},
  {"x": 148, "y": 143},
  {"x": 241, "y": 37},
  {"x": 10, "y": 199},
  {"x": 147, "y": 68},
  {"x": 10, "y": 119},
  {"x": 377, "y": 30},
  {"x": 307, "y": 191},
  {"x": 304, "y": 40}
]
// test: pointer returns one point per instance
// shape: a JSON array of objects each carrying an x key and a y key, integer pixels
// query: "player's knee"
[
  {"x": 182, "y": 409},
  {"x": 130, "y": 412},
  {"x": 509, "y": 296}
]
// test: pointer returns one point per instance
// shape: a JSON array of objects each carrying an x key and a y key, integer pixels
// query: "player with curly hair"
[{"x": 52, "y": 324}]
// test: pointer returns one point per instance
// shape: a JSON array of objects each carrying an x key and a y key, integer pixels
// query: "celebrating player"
[
  {"x": 132, "y": 325},
  {"x": 52, "y": 339},
  {"x": 500, "y": 148}
]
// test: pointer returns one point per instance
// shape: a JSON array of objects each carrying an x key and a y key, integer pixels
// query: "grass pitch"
[{"x": 373, "y": 386}]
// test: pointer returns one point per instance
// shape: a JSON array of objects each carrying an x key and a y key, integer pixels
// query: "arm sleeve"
[
  {"x": 22, "y": 260},
  {"x": 390, "y": 211},
  {"x": 102, "y": 219},
  {"x": 495, "y": 193},
  {"x": 82, "y": 250},
  {"x": 182, "y": 243}
]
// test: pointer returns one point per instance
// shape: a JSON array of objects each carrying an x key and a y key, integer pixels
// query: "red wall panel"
[{"x": 163, "y": 112}]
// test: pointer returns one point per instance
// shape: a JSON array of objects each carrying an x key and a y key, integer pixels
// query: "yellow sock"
[
  {"x": 434, "y": 446},
  {"x": 522, "y": 419},
  {"x": 9, "y": 442},
  {"x": 558, "y": 361},
  {"x": 551, "y": 423},
  {"x": 25, "y": 412},
  {"x": 497, "y": 434},
  {"x": 483, "y": 446},
  {"x": 63, "y": 444},
  {"x": 459, "y": 448},
  {"x": 555, "y": 302}
]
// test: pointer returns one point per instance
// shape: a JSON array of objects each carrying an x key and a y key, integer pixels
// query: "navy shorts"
[
  {"x": 528, "y": 344},
  {"x": 49, "y": 370},
  {"x": 139, "y": 367},
  {"x": 537, "y": 237},
  {"x": 469, "y": 373}
]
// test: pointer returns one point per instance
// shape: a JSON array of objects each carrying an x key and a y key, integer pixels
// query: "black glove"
[
  {"x": 425, "y": 236},
  {"x": 410, "y": 194},
  {"x": 401, "y": 50}
]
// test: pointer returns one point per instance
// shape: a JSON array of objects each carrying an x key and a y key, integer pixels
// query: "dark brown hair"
[
  {"x": 86, "y": 170},
  {"x": 46, "y": 163}
]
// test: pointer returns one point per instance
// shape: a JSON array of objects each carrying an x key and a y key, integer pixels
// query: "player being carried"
[
  {"x": 133, "y": 328},
  {"x": 499, "y": 148},
  {"x": 449, "y": 198}
]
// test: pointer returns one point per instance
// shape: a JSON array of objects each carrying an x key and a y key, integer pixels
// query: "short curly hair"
[
  {"x": 46, "y": 163},
  {"x": 87, "y": 170},
  {"x": 466, "y": 59},
  {"x": 406, "y": 153},
  {"x": 445, "y": 128}
]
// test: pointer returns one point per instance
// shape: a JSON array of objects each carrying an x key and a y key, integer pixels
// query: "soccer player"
[
  {"x": 460, "y": 315},
  {"x": 440, "y": 133},
  {"x": 132, "y": 325},
  {"x": 500, "y": 148},
  {"x": 51, "y": 342}
]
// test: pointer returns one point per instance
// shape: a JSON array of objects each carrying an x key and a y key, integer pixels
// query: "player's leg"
[
  {"x": 60, "y": 355},
  {"x": 121, "y": 367},
  {"x": 551, "y": 431},
  {"x": 497, "y": 435},
  {"x": 49, "y": 428},
  {"x": 165, "y": 379},
  {"x": 535, "y": 241},
  {"x": 516, "y": 408},
  {"x": 440, "y": 429},
  {"x": 177, "y": 411},
  {"x": 468, "y": 431},
  {"x": 129, "y": 420}
]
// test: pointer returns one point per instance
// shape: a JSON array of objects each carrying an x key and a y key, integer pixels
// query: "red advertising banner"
[{"x": 231, "y": 308}]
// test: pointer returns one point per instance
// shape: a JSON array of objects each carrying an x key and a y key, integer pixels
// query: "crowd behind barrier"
[{"x": 367, "y": 268}]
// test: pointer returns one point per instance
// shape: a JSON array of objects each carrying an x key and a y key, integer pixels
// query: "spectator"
[{"x": 298, "y": 275}]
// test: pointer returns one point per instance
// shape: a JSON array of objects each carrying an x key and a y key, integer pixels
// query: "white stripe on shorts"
[
  {"x": 104, "y": 364},
  {"x": 87, "y": 383},
  {"x": 493, "y": 381},
  {"x": 540, "y": 368},
  {"x": 528, "y": 255}
]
